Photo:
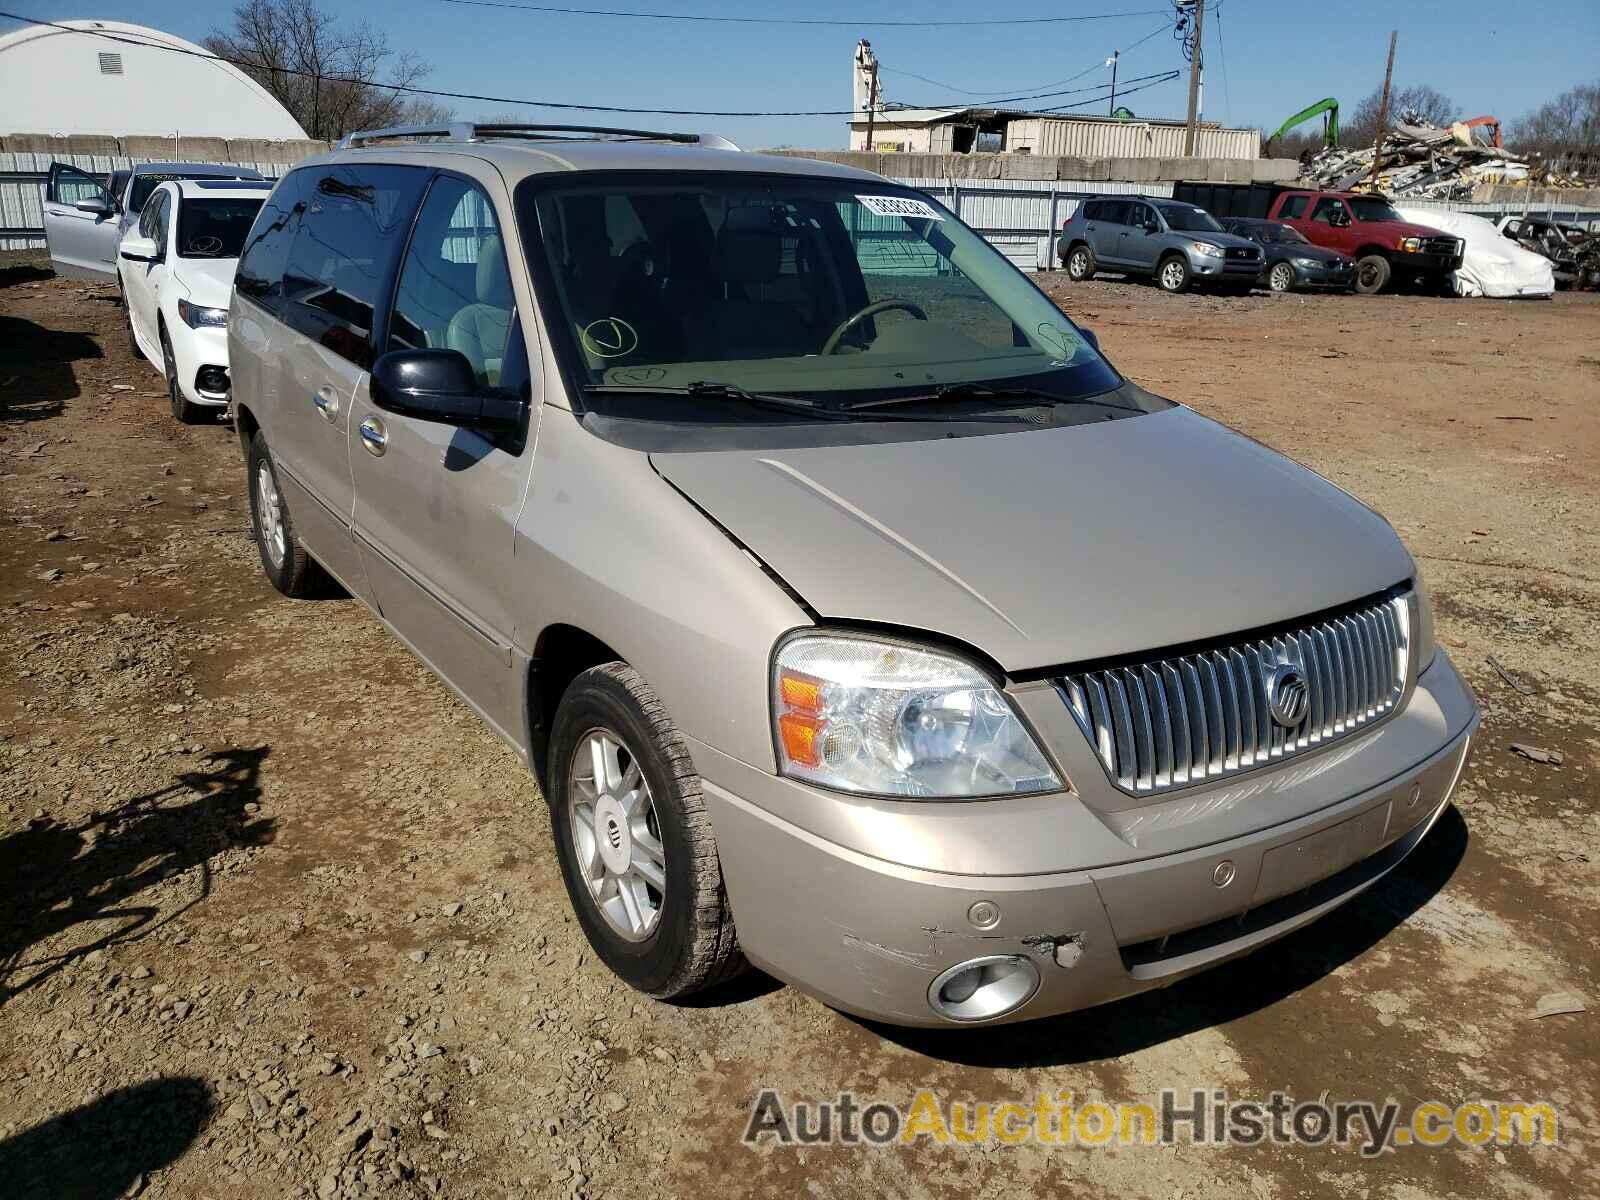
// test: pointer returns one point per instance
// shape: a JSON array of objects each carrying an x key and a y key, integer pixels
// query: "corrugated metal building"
[{"x": 1082, "y": 137}]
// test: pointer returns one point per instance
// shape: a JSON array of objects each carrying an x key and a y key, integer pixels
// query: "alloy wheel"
[
  {"x": 1172, "y": 275},
  {"x": 1078, "y": 264},
  {"x": 1282, "y": 278},
  {"x": 269, "y": 514},
  {"x": 616, "y": 834}
]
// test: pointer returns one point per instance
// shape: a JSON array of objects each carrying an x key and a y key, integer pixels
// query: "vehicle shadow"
[
  {"x": 103, "y": 1149},
  {"x": 36, "y": 375},
  {"x": 78, "y": 880},
  {"x": 1214, "y": 997},
  {"x": 20, "y": 273}
]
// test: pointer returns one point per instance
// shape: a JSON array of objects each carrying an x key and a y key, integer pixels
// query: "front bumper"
[
  {"x": 1232, "y": 269},
  {"x": 873, "y": 901},
  {"x": 196, "y": 349},
  {"x": 1324, "y": 276}
]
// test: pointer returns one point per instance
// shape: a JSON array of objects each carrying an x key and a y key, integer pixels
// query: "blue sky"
[{"x": 1272, "y": 58}]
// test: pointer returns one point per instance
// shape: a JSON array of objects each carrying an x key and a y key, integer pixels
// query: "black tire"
[
  {"x": 289, "y": 568},
  {"x": 692, "y": 943},
  {"x": 185, "y": 412},
  {"x": 1079, "y": 263},
  {"x": 1173, "y": 274},
  {"x": 1372, "y": 274},
  {"x": 1280, "y": 277},
  {"x": 127, "y": 316}
]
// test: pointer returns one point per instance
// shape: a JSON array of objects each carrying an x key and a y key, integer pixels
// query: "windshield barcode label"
[{"x": 900, "y": 206}]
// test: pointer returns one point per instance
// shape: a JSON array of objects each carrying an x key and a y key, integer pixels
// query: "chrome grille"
[
  {"x": 1182, "y": 720},
  {"x": 1441, "y": 245}
]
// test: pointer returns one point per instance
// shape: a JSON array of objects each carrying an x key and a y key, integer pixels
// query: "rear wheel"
[
  {"x": 1080, "y": 263},
  {"x": 1372, "y": 274},
  {"x": 1281, "y": 277},
  {"x": 291, "y": 570},
  {"x": 634, "y": 840},
  {"x": 1173, "y": 274},
  {"x": 182, "y": 409}
]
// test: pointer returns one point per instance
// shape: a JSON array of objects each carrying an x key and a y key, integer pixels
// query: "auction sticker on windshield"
[{"x": 900, "y": 206}]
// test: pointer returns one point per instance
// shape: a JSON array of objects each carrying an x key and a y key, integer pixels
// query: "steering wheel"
[{"x": 876, "y": 307}]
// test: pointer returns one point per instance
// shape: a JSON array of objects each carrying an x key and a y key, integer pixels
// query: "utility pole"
[
  {"x": 1383, "y": 109},
  {"x": 1115, "y": 55},
  {"x": 872, "y": 97},
  {"x": 1199, "y": 9}
]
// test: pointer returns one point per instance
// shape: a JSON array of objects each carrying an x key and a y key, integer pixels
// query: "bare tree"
[
  {"x": 333, "y": 77},
  {"x": 1567, "y": 126},
  {"x": 1421, "y": 103}
]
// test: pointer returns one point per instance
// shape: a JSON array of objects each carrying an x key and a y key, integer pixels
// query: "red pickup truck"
[{"x": 1366, "y": 227}]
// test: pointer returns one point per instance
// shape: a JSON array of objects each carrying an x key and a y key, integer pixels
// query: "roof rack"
[{"x": 470, "y": 131}]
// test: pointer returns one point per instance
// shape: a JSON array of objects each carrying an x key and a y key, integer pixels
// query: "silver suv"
[
  {"x": 1176, "y": 244},
  {"x": 857, "y": 618}
]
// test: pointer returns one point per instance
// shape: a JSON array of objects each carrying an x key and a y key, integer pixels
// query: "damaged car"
[{"x": 857, "y": 618}]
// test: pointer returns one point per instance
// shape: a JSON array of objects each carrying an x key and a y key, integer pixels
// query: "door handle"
[
  {"x": 327, "y": 402},
  {"x": 374, "y": 437}
]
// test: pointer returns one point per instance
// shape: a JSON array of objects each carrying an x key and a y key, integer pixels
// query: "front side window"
[
  {"x": 840, "y": 290},
  {"x": 68, "y": 185},
  {"x": 455, "y": 287},
  {"x": 1325, "y": 210},
  {"x": 352, "y": 221},
  {"x": 215, "y": 227}
]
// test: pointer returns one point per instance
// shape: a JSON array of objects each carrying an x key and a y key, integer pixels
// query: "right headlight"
[
  {"x": 879, "y": 718},
  {"x": 1207, "y": 249}
]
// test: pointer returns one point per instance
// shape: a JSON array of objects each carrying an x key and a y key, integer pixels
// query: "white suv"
[{"x": 175, "y": 269}]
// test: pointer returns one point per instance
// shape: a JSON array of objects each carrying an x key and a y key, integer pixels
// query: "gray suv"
[
  {"x": 857, "y": 619},
  {"x": 1176, "y": 244}
]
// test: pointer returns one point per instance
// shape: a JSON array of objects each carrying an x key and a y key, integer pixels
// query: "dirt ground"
[{"x": 278, "y": 917}]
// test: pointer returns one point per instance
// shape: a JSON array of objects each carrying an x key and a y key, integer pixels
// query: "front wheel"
[
  {"x": 1080, "y": 264},
  {"x": 1173, "y": 274},
  {"x": 1281, "y": 277},
  {"x": 184, "y": 411},
  {"x": 633, "y": 838},
  {"x": 1372, "y": 274}
]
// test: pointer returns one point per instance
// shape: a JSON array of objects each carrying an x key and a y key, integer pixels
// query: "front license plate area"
[{"x": 1312, "y": 859}]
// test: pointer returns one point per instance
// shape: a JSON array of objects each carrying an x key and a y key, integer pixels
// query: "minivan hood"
[{"x": 1051, "y": 546}]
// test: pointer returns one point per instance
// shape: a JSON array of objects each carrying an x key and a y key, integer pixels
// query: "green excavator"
[{"x": 1329, "y": 109}]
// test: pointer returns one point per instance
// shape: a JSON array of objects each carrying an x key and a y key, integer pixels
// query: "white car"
[{"x": 175, "y": 269}]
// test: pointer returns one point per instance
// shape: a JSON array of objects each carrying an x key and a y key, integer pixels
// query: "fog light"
[
  {"x": 982, "y": 989},
  {"x": 213, "y": 380}
]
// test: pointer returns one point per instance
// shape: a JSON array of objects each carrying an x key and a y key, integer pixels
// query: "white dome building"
[{"x": 60, "y": 82}]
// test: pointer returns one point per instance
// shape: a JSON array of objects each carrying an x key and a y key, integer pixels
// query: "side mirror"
[
  {"x": 94, "y": 205},
  {"x": 140, "y": 249},
  {"x": 1151, "y": 227},
  {"x": 440, "y": 385}
]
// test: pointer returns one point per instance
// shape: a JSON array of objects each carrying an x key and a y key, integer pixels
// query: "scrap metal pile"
[{"x": 1420, "y": 160}]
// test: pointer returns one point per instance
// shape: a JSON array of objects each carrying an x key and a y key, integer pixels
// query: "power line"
[
  {"x": 816, "y": 21},
  {"x": 1070, "y": 79},
  {"x": 1155, "y": 81},
  {"x": 568, "y": 106}
]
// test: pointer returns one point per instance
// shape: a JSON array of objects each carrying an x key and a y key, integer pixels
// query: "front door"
[
  {"x": 83, "y": 244},
  {"x": 436, "y": 504},
  {"x": 1332, "y": 227},
  {"x": 1140, "y": 247},
  {"x": 143, "y": 282}
]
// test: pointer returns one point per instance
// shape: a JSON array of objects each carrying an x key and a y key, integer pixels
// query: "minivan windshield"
[
  {"x": 215, "y": 228},
  {"x": 1189, "y": 219},
  {"x": 844, "y": 290}
]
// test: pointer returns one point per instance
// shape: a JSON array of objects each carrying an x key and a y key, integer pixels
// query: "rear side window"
[
  {"x": 1114, "y": 212},
  {"x": 1092, "y": 210},
  {"x": 352, "y": 222},
  {"x": 266, "y": 247},
  {"x": 1293, "y": 207}
]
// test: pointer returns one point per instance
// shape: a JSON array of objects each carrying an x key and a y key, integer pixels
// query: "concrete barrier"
[{"x": 1049, "y": 167}]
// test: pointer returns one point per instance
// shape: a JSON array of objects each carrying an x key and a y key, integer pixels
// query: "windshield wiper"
[
  {"x": 712, "y": 390},
  {"x": 952, "y": 392},
  {"x": 708, "y": 390}
]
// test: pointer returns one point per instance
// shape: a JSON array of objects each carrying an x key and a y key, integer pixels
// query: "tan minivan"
[{"x": 858, "y": 619}]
